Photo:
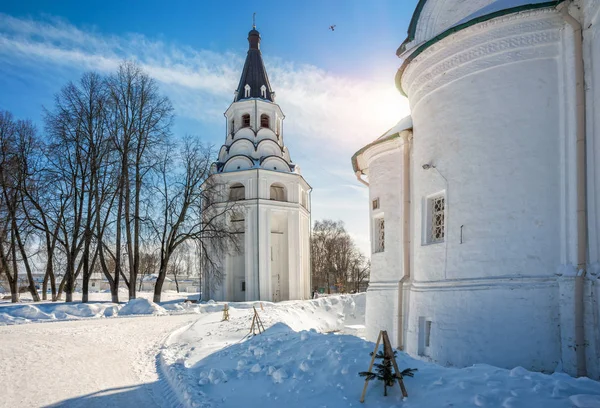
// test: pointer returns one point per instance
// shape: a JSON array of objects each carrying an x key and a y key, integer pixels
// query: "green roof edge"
[{"x": 455, "y": 29}]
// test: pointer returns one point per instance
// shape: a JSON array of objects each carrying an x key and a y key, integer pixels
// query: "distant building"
[
  {"x": 485, "y": 203},
  {"x": 273, "y": 199}
]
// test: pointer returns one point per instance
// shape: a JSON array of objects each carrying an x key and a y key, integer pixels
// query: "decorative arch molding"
[
  {"x": 239, "y": 162},
  {"x": 244, "y": 133},
  {"x": 266, "y": 133},
  {"x": 268, "y": 147},
  {"x": 274, "y": 163},
  {"x": 241, "y": 147},
  {"x": 223, "y": 153},
  {"x": 286, "y": 154}
]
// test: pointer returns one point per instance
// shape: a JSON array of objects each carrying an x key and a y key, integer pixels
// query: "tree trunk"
[
  {"x": 85, "y": 288},
  {"x": 176, "y": 283},
  {"x": 70, "y": 281},
  {"x": 162, "y": 273},
  {"x": 34, "y": 293},
  {"x": 86, "y": 270},
  {"x": 45, "y": 287}
]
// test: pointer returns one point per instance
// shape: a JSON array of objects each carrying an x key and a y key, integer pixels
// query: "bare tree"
[
  {"x": 76, "y": 126},
  {"x": 141, "y": 121},
  {"x": 188, "y": 210},
  {"x": 15, "y": 136},
  {"x": 335, "y": 259}
]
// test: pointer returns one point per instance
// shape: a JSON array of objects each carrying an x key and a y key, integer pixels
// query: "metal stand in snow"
[
  {"x": 388, "y": 353},
  {"x": 225, "y": 312},
  {"x": 256, "y": 323}
]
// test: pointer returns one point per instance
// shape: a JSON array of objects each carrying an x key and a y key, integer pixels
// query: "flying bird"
[{"x": 332, "y": 27}]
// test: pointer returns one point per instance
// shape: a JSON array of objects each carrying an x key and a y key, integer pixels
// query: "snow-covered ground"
[
  {"x": 295, "y": 364},
  {"x": 306, "y": 358},
  {"x": 99, "y": 306},
  {"x": 86, "y": 363}
]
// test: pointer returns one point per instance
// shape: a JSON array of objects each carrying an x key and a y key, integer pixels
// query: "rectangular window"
[
  {"x": 243, "y": 286},
  {"x": 379, "y": 235},
  {"x": 376, "y": 204},
  {"x": 436, "y": 219}
]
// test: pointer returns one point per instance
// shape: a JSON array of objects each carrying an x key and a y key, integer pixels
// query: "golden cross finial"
[{"x": 254, "y": 21}]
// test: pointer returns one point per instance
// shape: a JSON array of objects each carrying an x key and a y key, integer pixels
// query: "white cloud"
[{"x": 328, "y": 116}]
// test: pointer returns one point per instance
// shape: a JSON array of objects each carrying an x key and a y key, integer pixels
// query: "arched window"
[
  {"x": 264, "y": 121},
  {"x": 245, "y": 120},
  {"x": 232, "y": 126},
  {"x": 237, "y": 192},
  {"x": 263, "y": 91},
  {"x": 278, "y": 192},
  {"x": 247, "y": 91}
]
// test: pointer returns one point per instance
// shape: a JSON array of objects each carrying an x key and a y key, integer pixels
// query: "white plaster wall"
[
  {"x": 486, "y": 113},
  {"x": 590, "y": 21},
  {"x": 385, "y": 184},
  {"x": 262, "y": 216},
  {"x": 505, "y": 325},
  {"x": 591, "y": 52}
]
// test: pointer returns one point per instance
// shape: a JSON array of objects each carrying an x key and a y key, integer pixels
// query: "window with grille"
[
  {"x": 437, "y": 221},
  {"x": 379, "y": 235},
  {"x": 376, "y": 204}
]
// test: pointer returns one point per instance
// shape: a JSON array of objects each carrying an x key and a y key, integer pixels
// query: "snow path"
[{"x": 91, "y": 363}]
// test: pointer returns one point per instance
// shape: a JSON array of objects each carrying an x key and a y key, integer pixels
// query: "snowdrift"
[
  {"x": 40, "y": 312},
  {"x": 295, "y": 364}
]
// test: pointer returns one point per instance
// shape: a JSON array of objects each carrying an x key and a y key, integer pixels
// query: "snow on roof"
[
  {"x": 496, "y": 6},
  {"x": 404, "y": 124},
  {"x": 432, "y": 18}
]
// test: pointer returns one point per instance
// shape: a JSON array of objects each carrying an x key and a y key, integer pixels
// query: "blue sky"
[{"x": 336, "y": 88}]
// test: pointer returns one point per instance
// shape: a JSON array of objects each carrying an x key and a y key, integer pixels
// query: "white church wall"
[
  {"x": 591, "y": 52},
  {"x": 385, "y": 181},
  {"x": 591, "y": 36},
  {"x": 475, "y": 101},
  {"x": 505, "y": 325}
]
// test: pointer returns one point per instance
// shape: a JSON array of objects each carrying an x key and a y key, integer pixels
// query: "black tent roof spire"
[{"x": 254, "y": 82}]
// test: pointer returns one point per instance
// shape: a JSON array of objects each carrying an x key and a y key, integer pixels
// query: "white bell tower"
[{"x": 272, "y": 199}]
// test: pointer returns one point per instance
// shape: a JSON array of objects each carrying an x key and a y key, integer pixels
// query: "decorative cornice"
[
  {"x": 521, "y": 41},
  {"x": 476, "y": 21}
]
